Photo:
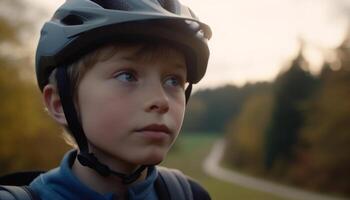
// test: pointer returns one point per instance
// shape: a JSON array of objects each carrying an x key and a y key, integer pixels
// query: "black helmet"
[{"x": 80, "y": 26}]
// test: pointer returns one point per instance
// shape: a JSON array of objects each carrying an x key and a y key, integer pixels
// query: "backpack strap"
[
  {"x": 199, "y": 193},
  {"x": 19, "y": 178},
  {"x": 17, "y": 193},
  {"x": 176, "y": 184}
]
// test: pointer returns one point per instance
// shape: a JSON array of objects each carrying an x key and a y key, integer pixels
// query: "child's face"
[{"x": 126, "y": 105}]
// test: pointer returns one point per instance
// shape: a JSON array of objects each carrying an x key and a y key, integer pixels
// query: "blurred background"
[{"x": 276, "y": 90}]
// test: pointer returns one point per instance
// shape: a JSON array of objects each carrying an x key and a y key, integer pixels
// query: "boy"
[{"x": 113, "y": 73}]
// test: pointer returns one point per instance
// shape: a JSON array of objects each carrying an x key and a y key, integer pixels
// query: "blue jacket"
[{"x": 61, "y": 184}]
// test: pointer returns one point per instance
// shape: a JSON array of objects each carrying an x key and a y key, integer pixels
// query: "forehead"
[{"x": 142, "y": 52}]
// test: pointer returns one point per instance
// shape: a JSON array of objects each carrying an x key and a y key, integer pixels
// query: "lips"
[{"x": 156, "y": 128}]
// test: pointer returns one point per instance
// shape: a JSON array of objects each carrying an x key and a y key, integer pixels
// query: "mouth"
[{"x": 155, "y": 128}]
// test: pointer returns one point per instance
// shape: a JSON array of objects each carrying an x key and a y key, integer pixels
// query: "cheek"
[
  {"x": 178, "y": 113},
  {"x": 103, "y": 117}
]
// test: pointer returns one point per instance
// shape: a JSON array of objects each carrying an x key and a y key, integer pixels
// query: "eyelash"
[
  {"x": 179, "y": 79},
  {"x": 133, "y": 78},
  {"x": 129, "y": 73}
]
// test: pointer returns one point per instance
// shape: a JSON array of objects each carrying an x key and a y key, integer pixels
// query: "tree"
[
  {"x": 28, "y": 138},
  {"x": 246, "y": 133},
  {"x": 291, "y": 89},
  {"x": 323, "y": 160},
  {"x": 211, "y": 110}
]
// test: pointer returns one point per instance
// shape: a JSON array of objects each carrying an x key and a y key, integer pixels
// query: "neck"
[{"x": 102, "y": 184}]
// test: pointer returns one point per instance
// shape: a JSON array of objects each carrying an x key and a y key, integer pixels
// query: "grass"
[{"x": 188, "y": 155}]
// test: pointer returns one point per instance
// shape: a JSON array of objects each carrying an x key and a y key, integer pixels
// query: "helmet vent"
[
  {"x": 72, "y": 20},
  {"x": 168, "y": 5},
  {"x": 192, "y": 13},
  {"x": 114, "y": 5}
]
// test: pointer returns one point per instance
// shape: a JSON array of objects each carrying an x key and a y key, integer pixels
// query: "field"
[{"x": 188, "y": 155}]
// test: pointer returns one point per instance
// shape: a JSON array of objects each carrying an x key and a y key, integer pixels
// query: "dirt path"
[{"x": 212, "y": 168}]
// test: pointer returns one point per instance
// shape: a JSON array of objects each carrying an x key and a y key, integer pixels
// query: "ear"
[{"x": 53, "y": 104}]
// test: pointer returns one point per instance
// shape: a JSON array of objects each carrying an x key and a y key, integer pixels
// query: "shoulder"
[{"x": 41, "y": 185}]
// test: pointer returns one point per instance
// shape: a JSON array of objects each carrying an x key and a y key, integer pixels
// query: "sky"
[{"x": 254, "y": 39}]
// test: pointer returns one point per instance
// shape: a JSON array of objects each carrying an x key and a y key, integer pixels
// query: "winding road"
[{"x": 211, "y": 167}]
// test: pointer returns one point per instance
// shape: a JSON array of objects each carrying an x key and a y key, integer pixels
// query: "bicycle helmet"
[{"x": 80, "y": 26}]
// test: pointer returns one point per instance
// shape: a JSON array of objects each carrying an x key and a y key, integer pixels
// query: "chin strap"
[
  {"x": 90, "y": 160},
  {"x": 188, "y": 92},
  {"x": 85, "y": 158}
]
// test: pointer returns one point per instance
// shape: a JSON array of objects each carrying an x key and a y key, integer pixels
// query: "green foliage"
[
  {"x": 291, "y": 89},
  {"x": 246, "y": 133},
  {"x": 28, "y": 138},
  {"x": 299, "y": 131},
  {"x": 323, "y": 154},
  {"x": 12, "y": 26},
  {"x": 210, "y": 110}
]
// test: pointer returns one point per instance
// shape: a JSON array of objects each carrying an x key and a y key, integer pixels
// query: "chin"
[{"x": 152, "y": 158}]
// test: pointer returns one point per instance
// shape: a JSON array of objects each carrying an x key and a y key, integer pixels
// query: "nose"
[{"x": 157, "y": 101}]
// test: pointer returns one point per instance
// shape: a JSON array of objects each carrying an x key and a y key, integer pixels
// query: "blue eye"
[
  {"x": 174, "y": 81},
  {"x": 126, "y": 77}
]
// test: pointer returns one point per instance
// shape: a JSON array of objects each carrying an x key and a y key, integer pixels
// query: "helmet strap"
[
  {"x": 188, "y": 92},
  {"x": 90, "y": 160},
  {"x": 66, "y": 96},
  {"x": 85, "y": 158}
]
